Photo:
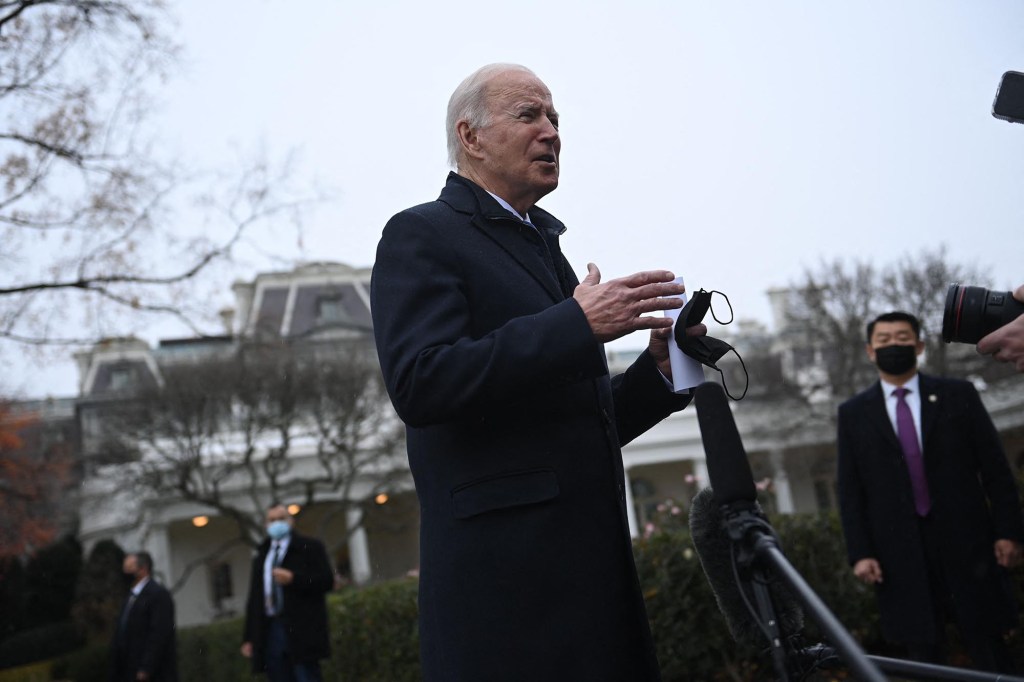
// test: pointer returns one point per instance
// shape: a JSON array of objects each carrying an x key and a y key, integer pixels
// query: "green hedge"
[
  {"x": 374, "y": 635},
  {"x": 39, "y": 643},
  {"x": 35, "y": 672},
  {"x": 88, "y": 664},
  {"x": 212, "y": 652}
]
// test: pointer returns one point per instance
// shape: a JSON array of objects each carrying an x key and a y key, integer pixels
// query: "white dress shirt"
[{"x": 913, "y": 400}]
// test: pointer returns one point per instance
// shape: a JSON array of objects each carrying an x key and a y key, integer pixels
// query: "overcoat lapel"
[
  {"x": 499, "y": 225},
  {"x": 505, "y": 231},
  {"x": 931, "y": 395}
]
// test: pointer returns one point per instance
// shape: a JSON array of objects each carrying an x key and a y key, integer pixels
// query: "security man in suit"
[
  {"x": 492, "y": 353},
  {"x": 929, "y": 506},
  {"x": 286, "y": 631},
  {"x": 144, "y": 639}
]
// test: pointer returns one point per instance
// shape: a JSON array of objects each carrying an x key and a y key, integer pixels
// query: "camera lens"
[{"x": 973, "y": 312}]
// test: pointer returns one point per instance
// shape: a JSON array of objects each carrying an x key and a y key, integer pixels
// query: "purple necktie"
[{"x": 912, "y": 452}]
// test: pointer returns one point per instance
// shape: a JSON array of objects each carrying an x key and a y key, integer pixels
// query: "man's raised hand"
[{"x": 617, "y": 307}]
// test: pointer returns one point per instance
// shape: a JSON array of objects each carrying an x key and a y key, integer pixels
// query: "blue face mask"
[{"x": 278, "y": 529}]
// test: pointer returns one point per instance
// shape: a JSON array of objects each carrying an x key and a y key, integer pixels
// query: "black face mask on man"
[
  {"x": 896, "y": 359},
  {"x": 706, "y": 350}
]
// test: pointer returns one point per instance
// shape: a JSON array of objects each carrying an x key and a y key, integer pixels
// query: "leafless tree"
[
  {"x": 829, "y": 307},
  {"x": 308, "y": 422},
  {"x": 90, "y": 238}
]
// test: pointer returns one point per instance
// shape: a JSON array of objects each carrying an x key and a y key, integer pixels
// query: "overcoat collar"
[{"x": 465, "y": 196}]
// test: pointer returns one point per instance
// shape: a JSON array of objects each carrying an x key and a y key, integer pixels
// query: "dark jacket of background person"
[
  {"x": 966, "y": 471},
  {"x": 147, "y": 640},
  {"x": 514, "y": 432},
  {"x": 305, "y": 604}
]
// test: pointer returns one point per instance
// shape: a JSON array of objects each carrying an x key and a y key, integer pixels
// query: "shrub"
[
  {"x": 690, "y": 634},
  {"x": 100, "y": 592},
  {"x": 36, "y": 672},
  {"x": 38, "y": 644},
  {"x": 50, "y": 582},
  {"x": 374, "y": 635},
  {"x": 211, "y": 652},
  {"x": 88, "y": 664}
]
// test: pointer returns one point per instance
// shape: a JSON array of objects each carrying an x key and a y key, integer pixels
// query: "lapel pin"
[{"x": 932, "y": 398}]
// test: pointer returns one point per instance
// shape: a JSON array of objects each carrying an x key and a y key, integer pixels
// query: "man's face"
[
  {"x": 130, "y": 566},
  {"x": 519, "y": 147},
  {"x": 898, "y": 333}
]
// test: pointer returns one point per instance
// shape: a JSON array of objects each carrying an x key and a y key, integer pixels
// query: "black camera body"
[{"x": 974, "y": 312}]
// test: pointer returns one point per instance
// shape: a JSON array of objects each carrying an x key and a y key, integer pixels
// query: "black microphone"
[
  {"x": 728, "y": 468},
  {"x": 750, "y": 553},
  {"x": 715, "y": 551}
]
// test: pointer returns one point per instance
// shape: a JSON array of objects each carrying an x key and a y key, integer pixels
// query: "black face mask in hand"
[{"x": 706, "y": 350}]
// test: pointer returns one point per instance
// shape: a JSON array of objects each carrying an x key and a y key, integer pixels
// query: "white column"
[
  {"x": 630, "y": 508},
  {"x": 159, "y": 546},
  {"x": 780, "y": 480},
  {"x": 358, "y": 547},
  {"x": 700, "y": 472}
]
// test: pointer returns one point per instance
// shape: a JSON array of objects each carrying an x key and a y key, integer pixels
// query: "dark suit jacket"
[
  {"x": 305, "y": 606},
  {"x": 514, "y": 432},
  {"x": 974, "y": 503},
  {"x": 147, "y": 641}
]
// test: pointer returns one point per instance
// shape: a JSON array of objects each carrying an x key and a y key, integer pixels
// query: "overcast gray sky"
[{"x": 734, "y": 143}]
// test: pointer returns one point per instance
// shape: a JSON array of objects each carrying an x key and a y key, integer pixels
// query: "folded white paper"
[{"x": 686, "y": 372}]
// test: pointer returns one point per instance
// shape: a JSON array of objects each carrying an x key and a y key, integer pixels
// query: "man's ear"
[
  {"x": 469, "y": 139},
  {"x": 870, "y": 351},
  {"x": 919, "y": 346}
]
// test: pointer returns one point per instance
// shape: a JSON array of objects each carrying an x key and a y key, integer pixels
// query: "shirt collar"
[
  {"x": 508, "y": 207},
  {"x": 912, "y": 385},
  {"x": 137, "y": 590}
]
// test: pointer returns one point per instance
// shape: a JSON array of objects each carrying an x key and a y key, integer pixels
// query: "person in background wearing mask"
[
  {"x": 286, "y": 614},
  {"x": 929, "y": 507},
  {"x": 144, "y": 640}
]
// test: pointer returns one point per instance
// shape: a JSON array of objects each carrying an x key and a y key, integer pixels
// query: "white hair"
[{"x": 469, "y": 103}]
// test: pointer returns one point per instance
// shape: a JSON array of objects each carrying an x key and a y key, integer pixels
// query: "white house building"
[{"x": 371, "y": 524}]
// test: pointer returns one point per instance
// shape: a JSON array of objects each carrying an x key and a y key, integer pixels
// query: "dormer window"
[
  {"x": 121, "y": 378},
  {"x": 330, "y": 309}
]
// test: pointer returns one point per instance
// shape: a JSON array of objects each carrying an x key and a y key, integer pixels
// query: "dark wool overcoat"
[
  {"x": 974, "y": 502},
  {"x": 514, "y": 432},
  {"x": 144, "y": 638},
  {"x": 305, "y": 604}
]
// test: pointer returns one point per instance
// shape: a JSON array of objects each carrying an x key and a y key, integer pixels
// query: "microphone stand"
[{"x": 757, "y": 551}]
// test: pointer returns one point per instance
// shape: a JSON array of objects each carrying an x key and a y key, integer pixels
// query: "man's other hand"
[
  {"x": 868, "y": 571},
  {"x": 659, "y": 345},
  {"x": 1008, "y": 553}
]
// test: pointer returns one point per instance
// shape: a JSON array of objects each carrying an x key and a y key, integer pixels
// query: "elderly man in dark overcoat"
[
  {"x": 929, "y": 506},
  {"x": 492, "y": 353}
]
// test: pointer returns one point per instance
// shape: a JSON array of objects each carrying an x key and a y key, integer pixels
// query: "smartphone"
[{"x": 1009, "y": 102}]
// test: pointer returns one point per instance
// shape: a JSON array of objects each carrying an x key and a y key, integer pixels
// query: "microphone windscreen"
[
  {"x": 727, "y": 463},
  {"x": 715, "y": 551}
]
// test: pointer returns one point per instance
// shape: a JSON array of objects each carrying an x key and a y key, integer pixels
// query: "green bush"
[
  {"x": 88, "y": 664},
  {"x": 35, "y": 672},
  {"x": 39, "y": 644},
  {"x": 374, "y": 634},
  {"x": 690, "y": 634}
]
